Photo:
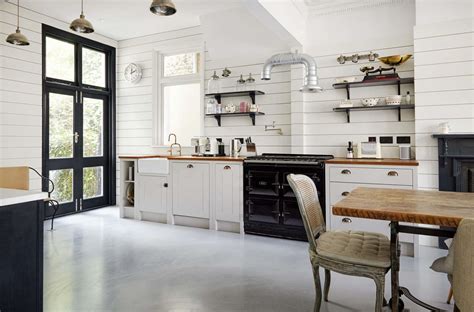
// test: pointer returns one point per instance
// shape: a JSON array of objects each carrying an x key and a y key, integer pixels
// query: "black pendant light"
[
  {"x": 163, "y": 7},
  {"x": 81, "y": 24},
  {"x": 17, "y": 38}
]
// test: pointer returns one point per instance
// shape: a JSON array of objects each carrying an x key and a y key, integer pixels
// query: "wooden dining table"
[{"x": 445, "y": 209}]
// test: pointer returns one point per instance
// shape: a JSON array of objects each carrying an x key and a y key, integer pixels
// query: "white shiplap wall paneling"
[{"x": 444, "y": 73}]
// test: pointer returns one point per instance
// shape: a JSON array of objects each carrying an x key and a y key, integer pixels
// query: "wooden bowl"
[{"x": 394, "y": 60}]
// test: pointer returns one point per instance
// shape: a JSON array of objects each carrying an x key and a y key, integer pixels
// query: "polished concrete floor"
[{"x": 98, "y": 262}]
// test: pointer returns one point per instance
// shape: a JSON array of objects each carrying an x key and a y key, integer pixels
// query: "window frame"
[{"x": 159, "y": 81}]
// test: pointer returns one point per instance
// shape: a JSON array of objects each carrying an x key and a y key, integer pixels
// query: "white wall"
[
  {"x": 21, "y": 88},
  {"x": 349, "y": 32},
  {"x": 444, "y": 72}
]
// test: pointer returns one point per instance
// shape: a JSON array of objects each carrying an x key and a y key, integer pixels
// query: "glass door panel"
[
  {"x": 63, "y": 180},
  {"x": 61, "y": 125},
  {"x": 93, "y": 182},
  {"x": 93, "y": 110}
]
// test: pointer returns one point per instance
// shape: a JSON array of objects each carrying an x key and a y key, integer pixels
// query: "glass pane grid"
[{"x": 93, "y": 182}]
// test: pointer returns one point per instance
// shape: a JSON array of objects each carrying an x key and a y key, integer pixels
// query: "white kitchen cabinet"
[
  {"x": 342, "y": 179},
  {"x": 191, "y": 189},
  {"x": 228, "y": 192},
  {"x": 152, "y": 194}
]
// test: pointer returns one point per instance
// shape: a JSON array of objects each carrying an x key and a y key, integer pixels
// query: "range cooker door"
[
  {"x": 314, "y": 174},
  {"x": 291, "y": 213},
  {"x": 261, "y": 182},
  {"x": 266, "y": 210}
]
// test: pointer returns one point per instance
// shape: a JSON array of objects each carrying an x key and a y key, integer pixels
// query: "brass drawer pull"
[
  {"x": 392, "y": 174},
  {"x": 345, "y": 193},
  {"x": 190, "y": 166},
  {"x": 346, "y": 171},
  {"x": 227, "y": 168},
  {"x": 346, "y": 220}
]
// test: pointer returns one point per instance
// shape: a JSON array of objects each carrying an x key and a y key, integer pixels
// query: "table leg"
[{"x": 394, "y": 257}]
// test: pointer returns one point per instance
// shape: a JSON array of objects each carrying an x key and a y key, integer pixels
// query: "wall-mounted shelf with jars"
[{"x": 251, "y": 94}]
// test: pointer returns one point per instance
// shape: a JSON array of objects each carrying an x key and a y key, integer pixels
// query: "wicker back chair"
[
  {"x": 463, "y": 269},
  {"x": 347, "y": 252}
]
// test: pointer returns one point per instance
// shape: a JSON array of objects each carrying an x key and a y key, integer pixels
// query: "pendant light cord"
[
  {"x": 18, "y": 15},
  {"x": 82, "y": 7}
]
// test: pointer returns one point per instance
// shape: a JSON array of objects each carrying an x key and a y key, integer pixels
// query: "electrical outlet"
[
  {"x": 386, "y": 140},
  {"x": 403, "y": 140}
]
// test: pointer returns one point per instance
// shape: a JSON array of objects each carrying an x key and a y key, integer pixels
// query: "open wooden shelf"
[
  {"x": 219, "y": 96},
  {"x": 250, "y": 114},
  {"x": 348, "y": 110},
  {"x": 373, "y": 83}
]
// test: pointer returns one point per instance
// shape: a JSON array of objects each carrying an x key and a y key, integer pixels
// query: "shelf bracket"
[
  {"x": 218, "y": 118},
  {"x": 252, "y": 116},
  {"x": 399, "y": 88},
  {"x": 399, "y": 114},
  {"x": 218, "y": 99},
  {"x": 348, "y": 92},
  {"x": 252, "y": 96},
  {"x": 348, "y": 114}
]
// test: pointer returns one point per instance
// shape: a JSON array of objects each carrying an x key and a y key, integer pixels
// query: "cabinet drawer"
[
  {"x": 359, "y": 224},
  {"x": 367, "y": 225},
  {"x": 339, "y": 190},
  {"x": 394, "y": 176}
]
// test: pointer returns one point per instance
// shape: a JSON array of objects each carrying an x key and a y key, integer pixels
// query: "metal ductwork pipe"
[{"x": 310, "y": 80}]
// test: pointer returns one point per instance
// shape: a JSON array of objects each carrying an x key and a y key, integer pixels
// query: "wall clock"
[{"x": 133, "y": 73}]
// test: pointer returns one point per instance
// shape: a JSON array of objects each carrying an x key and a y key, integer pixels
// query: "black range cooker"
[{"x": 270, "y": 207}]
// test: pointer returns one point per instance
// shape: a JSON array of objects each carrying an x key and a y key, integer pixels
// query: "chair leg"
[
  {"x": 450, "y": 295},
  {"x": 379, "y": 296},
  {"x": 456, "y": 309},
  {"x": 327, "y": 283},
  {"x": 317, "y": 284}
]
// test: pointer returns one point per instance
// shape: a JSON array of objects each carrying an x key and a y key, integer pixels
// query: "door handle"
[
  {"x": 345, "y": 193},
  {"x": 346, "y": 171},
  {"x": 76, "y": 137},
  {"x": 190, "y": 166},
  {"x": 346, "y": 220},
  {"x": 392, "y": 174},
  {"x": 165, "y": 184},
  {"x": 227, "y": 168}
]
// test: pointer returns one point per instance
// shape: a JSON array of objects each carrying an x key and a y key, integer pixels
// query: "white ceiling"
[{"x": 123, "y": 19}]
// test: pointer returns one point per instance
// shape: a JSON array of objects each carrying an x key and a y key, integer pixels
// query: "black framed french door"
[{"x": 78, "y": 121}]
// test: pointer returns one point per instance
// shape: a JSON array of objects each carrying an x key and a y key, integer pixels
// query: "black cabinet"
[
  {"x": 270, "y": 206},
  {"x": 21, "y": 257}
]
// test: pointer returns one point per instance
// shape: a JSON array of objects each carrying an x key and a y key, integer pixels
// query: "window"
[
  {"x": 93, "y": 67},
  {"x": 178, "y": 97},
  {"x": 60, "y": 59}
]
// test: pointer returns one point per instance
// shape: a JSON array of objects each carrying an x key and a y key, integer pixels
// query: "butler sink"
[{"x": 153, "y": 166}]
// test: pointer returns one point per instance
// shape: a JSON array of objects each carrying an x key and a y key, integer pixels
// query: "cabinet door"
[
  {"x": 152, "y": 194},
  {"x": 191, "y": 189},
  {"x": 228, "y": 192}
]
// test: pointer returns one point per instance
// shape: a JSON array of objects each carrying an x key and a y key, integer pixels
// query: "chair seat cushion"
[{"x": 355, "y": 247}]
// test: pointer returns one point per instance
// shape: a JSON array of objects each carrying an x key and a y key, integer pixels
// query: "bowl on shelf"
[
  {"x": 394, "y": 60},
  {"x": 369, "y": 102},
  {"x": 393, "y": 100}
]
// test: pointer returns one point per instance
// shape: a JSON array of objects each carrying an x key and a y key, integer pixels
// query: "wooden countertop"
[
  {"x": 425, "y": 207},
  {"x": 185, "y": 157},
  {"x": 368, "y": 161}
]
